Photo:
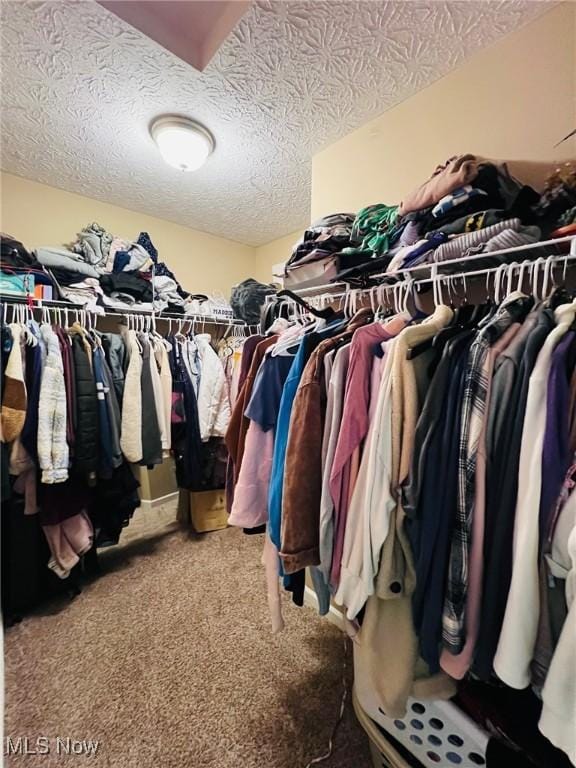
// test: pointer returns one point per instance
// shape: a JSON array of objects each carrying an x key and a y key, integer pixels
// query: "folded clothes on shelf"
[{"x": 64, "y": 259}]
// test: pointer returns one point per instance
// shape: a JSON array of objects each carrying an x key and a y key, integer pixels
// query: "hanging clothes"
[
  {"x": 232, "y": 436},
  {"x": 238, "y": 426},
  {"x": 250, "y": 507},
  {"x": 354, "y": 427},
  {"x": 498, "y": 566},
  {"x": 213, "y": 397},
  {"x": 151, "y": 436},
  {"x": 78, "y": 405},
  {"x": 416, "y": 466},
  {"x": 14, "y": 390},
  {"x": 472, "y": 410},
  {"x": 53, "y": 450},
  {"x": 519, "y": 626},
  {"x": 558, "y": 695},
  {"x": 86, "y": 444},
  {"x": 336, "y": 369},
  {"x": 458, "y": 664},
  {"x": 131, "y": 440}
]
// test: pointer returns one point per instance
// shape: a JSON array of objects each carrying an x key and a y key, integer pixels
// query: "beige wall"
[
  {"x": 514, "y": 100},
  {"x": 273, "y": 253},
  {"x": 38, "y": 214}
]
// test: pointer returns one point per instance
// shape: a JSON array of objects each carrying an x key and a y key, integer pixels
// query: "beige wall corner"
[
  {"x": 513, "y": 100},
  {"x": 273, "y": 253},
  {"x": 158, "y": 482},
  {"x": 38, "y": 214}
]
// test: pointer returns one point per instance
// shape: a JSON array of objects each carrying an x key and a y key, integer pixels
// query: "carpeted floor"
[{"x": 167, "y": 660}]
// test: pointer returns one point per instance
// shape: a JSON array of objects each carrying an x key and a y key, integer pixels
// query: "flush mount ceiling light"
[{"x": 183, "y": 143}]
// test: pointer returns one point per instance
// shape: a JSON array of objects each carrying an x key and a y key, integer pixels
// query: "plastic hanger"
[
  {"x": 419, "y": 349},
  {"x": 535, "y": 276},
  {"x": 29, "y": 337},
  {"x": 291, "y": 336},
  {"x": 327, "y": 313},
  {"x": 179, "y": 335}
]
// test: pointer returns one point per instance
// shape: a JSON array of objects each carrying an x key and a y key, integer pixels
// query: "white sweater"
[
  {"x": 131, "y": 437},
  {"x": 520, "y": 627},
  {"x": 163, "y": 361},
  {"x": 53, "y": 451},
  {"x": 213, "y": 400}
]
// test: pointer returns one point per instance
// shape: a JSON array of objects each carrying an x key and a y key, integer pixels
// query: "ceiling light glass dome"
[{"x": 183, "y": 143}]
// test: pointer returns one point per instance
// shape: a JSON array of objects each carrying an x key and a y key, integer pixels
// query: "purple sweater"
[{"x": 556, "y": 452}]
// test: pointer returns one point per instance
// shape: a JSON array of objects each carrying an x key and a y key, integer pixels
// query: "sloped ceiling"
[
  {"x": 80, "y": 87},
  {"x": 193, "y": 31}
]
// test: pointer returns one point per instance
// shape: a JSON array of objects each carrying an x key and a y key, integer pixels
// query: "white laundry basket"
[
  {"x": 437, "y": 733},
  {"x": 383, "y": 753}
]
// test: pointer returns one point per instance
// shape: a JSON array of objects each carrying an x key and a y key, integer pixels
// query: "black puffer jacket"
[
  {"x": 14, "y": 254},
  {"x": 86, "y": 448}
]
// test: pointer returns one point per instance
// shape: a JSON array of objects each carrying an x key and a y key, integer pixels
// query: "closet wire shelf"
[
  {"x": 561, "y": 249},
  {"x": 75, "y": 311}
]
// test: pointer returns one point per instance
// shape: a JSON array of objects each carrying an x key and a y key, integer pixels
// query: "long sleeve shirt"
[{"x": 519, "y": 627}]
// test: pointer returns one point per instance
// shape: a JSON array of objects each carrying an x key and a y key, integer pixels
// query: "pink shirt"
[
  {"x": 250, "y": 506},
  {"x": 354, "y": 426}
]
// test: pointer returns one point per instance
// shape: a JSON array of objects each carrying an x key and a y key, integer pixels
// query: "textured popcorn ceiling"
[{"x": 80, "y": 87}]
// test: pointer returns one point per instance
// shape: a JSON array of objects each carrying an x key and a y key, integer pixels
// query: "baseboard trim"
[
  {"x": 153, "y": 503},
  {"x": 334, "y": 616}
]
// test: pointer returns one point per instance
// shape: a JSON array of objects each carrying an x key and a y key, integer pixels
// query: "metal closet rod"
[{"x": 55, "y": 304}]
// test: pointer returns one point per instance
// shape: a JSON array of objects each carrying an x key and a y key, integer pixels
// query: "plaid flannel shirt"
[{"x": 472, "y": 418}]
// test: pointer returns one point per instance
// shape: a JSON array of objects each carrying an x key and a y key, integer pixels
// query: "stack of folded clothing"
[
  {"x": 65, "y": 260},
  {"x": 374, "y": 232},
  {"x": 79, "y": 289},
  {"x": 20, "y": 272},
  {"x": 468, "y": 206},
  {"x": 443, "y": 247},
  {"x": 98, "y": 271},
  {"x": 134, "y": 278},
  {"x": 93, "y": 245},
  {"x": 313, "y": 259}
]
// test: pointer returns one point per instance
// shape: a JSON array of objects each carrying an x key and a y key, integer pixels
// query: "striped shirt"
[
  {"x": 511, "y": 233},
  {"x": 472, "y": 418}
]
